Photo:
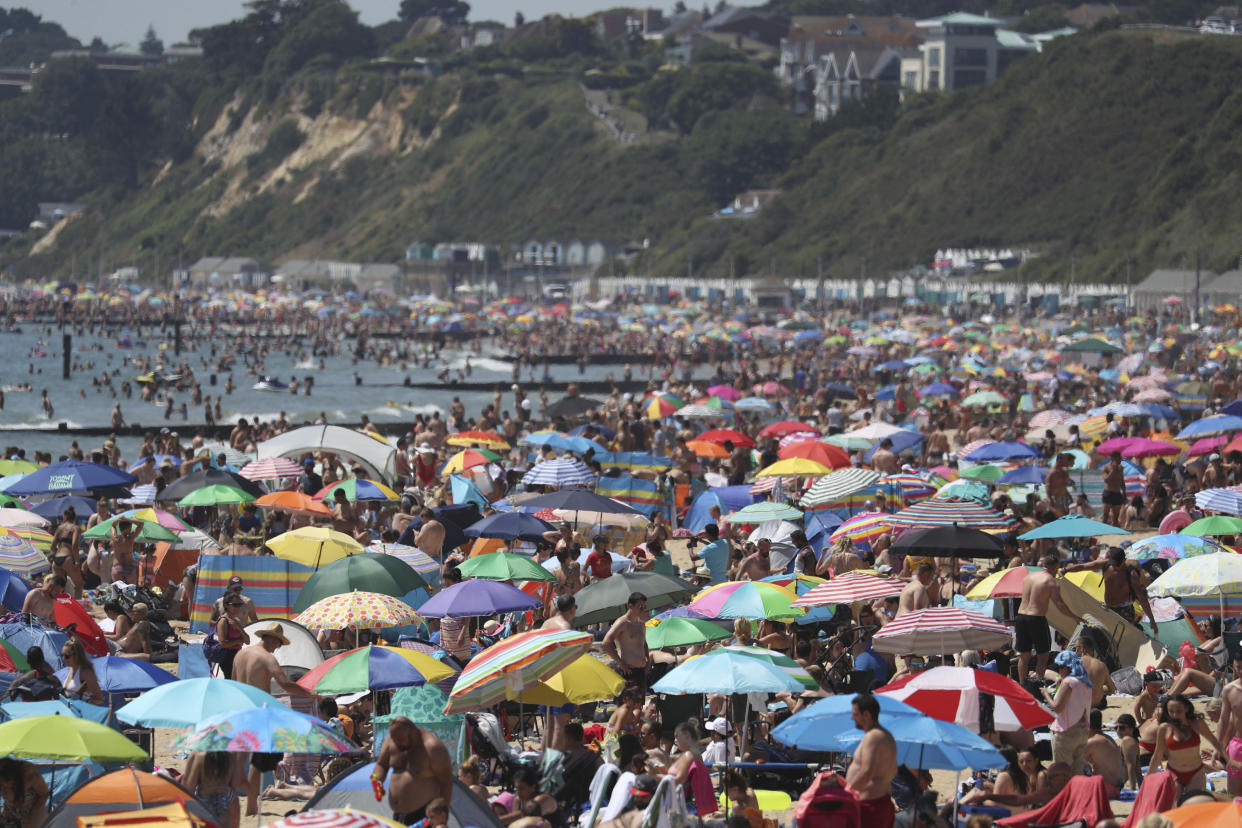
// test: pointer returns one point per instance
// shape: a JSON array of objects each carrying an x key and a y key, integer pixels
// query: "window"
[
  {"x": 969, "y": 77},
  {"x": 970, "y": 57},
  {"x": 933, "y": 79},
  {"x": 911, "y": 81},
  {"x": 933, "y": 57}
]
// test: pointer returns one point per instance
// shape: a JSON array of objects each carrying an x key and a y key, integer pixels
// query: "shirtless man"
[
  {"x": 757, "y": 566},
  {"x": 257, "y": 666},
  {"x": 1103, "y": 755},
  {"x": 870, "y": 775},
  {"x": 42, "y": 601},
  {"x": 430, "y": 537},
  {"x": 1229, "y": 730},
  {"x": 626, "y": 641},
  {"x": 566, "y": 608},
  {"x": 558, "y": 716},
  {"x": 136, "y": 643},
  {"x": 917, "y": 593},
  {"x": 421, "y": 770},
  {"x": 1057, "y": 484},
  {"x": 1114, "y": 490},
  {"x": 1123, "y": 584},
  {"x": 249, "y": 615},
  {"x": 1031, "y": 630}
]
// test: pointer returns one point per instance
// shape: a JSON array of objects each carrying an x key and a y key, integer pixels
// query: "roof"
[
  {"x": 959, "y": 19},
  {"x": 1015, "y": 40},
  {"x": 224, "y": 264},
  {"x": 1173, "y": 281},
  {"x": 1228, "y": 283},
  {"x": 1092, "y": 346}
]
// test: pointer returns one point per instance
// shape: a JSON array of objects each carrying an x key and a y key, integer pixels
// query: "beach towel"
[
  {"x": 1157, "y": 793},
  {"x": 1085, "y": 797},
  {"x": 272, "y": 583}
]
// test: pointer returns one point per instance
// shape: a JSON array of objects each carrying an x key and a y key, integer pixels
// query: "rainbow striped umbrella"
[
  {"x": 40, "y": 539},
  {"x": 358, "y": 489},
  {"x": 951, "y": 512},
  {"x": 374, "y": 668},
  {"x": 19, "y": 555},
  {"x": 661, "y": 405},
  {"x": 909, "y": 487},
  {"x": 746, "y": 599},
  {"x": 863, "y": 528},
  {"x": 835, "y": 490},
  {"x": 850, "y": 588},
  {"x": 509, "y": 666}
]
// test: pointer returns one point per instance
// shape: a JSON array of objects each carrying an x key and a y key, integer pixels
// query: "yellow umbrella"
[
  {"x": 795, "y": 467},
  {"x": 356, "y": 611},
  {"x": 1091, "y": 583},
  {"x": 314, "y": 546},
  {"x": 586, "y": 680}
]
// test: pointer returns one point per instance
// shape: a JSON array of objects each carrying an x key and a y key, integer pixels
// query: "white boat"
[{"x": 270, "y": 384}]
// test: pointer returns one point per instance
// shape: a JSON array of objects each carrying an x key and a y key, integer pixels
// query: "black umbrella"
[
  {"x": 579, "y": 500},
  {"x": 950, "y": 542},
  {"x": 202, "y": 478},
  {"x": 572, "y": 407},
  {"x": 606, "y": 600}
]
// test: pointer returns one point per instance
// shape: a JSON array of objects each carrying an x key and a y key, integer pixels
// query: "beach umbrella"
[
  {"x": 922, "y": 741},
  {"x": 374, "y": 668},
  {"x": 422, "y": 563},
  {"x": 965, "y": 490},
  {"x": 753, "y": 404},
  {"x": 149, "y": 530},
  {"x": 1151, "y": 448},
  {"x": 510, "y": 526},
  {"x": 721, "y": 436},
  {"x": 579, "y": 500},
  {"x": 358, "y": 489},
  {"x": 383, "y": 574},
  {"x": 908, "y": 486},
  {"x": 72, "y": 616},
  {"x": 831, "y": 456},
  {"x": 12, "y": 660},
  {"x": 271, "y": 468},
  {"x": 504, "y": 566},
  {"x": 72, "y": 476},
  {"x": 1117, "y": 444},
  {"x": 14, "y": 467},
  {"x": 1206, "y": 581},
  {"x": 728, "y": 671},
  {"x": 605, "y": 600},
  {"x": 876, "y": 432},
  {"x": 746, "y": 599},
  {"x": 13, "y": 589},
  {"x": 296, "y": 503},
  {"x": 764, "y": 511},
  {"x": 334, "y": 818},
  {"x": 794, "y": 467},
  {"x": 705, "y": 448},
  {"x": 1050, "y": 417},
  {"x": 783, "y": 428},
  {"x": 682, "y": 632},
  {"x": 486, "y": 439},
  {"x": 1172, "y": 547},
  {"x": 18, "y": 555},
  {"x": 216, "y": 495},
  {"x": 864, "y": 527},
  {"x": 189, "y": 701},
  {"x": 463, "y": 461},
  {"x": 562, "y": 471},
  {"x": 125, "y": 675},
  {"x": 983, "y": 399},
  {"x": 476, "y": 599},
  {"x": 151, "y": 515},
  {"x": 572, "y": 407},
  {"x": 15, "y": 518},
  {"x": 986, "y": 472},
  {"x": 850, "y": 588},
  {"x": 849, "y": 442},
  {"x": 950, "y": 541},
  {"x": 585, "y": 680},
  {"x": 660, "y": 405},
  {"x": 938, "y": 389},
  {"x": 54, "y": 508},
  {"x": 1206, "y": 815},
  {"x": 1207, "y": 427},
  {"x": 1023, "y": 476},
  {"x": 1006, "y": 450},
  {"x": 195, "y": 539},
  {"x": 836, "y": 489},
  {"x": 143, "y": 495},
  {"x": 1214, "y": 525},
  {"x": 65, "y": 738},
  {"x": 314, "y": 546},
  {"x": 266, "y": 729},
  {"x": 780, "y": 661},
  {"x": 937, "y": 630},
  {"x": 725, "y": 392},
  {"x": 183, "y": 486},
  {"x": 1073, "y": 526},
  {"x": 357, "y": 611},
  {"x": 1220, "y": 500},
  {"x": 952, "y": 512},
  {"x": 513, "y": 664},
  {"x": 952, "y": 694},
  {"x": 1004, "y": 584},
  {"x": 702, "y": 410}
]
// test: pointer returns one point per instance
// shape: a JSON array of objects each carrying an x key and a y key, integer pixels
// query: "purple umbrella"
[{"x": 476, "y": 598}]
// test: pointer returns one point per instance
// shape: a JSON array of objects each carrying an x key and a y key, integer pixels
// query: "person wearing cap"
[
  {"x": 720, "y": 749},
  {"x": 249, "y": 614},
  {"x": 1071, "y": 704}
]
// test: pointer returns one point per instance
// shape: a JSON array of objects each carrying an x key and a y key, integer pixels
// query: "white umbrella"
[
  {"x": 937, "y": 630},
  {"x": 20, "y": 517}
]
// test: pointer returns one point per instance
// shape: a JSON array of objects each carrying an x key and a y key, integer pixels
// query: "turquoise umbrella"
[
  {"x": 188, "y": 701},
  {"x": 727, "y": 671},
  {"x": 765, "y": 511},
  {"x": 1072, "y": 526}
]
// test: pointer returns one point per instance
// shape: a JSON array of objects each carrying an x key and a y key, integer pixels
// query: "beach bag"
[
  {"x": 212, "y": 649},
  {"x": 1127, "y": 680},
  {"x": 827, "y": 804}
]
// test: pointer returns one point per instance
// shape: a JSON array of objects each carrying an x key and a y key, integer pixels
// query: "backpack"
[
  {"x": 212, "y": 649},
  {"x": 827, "y": 804}
]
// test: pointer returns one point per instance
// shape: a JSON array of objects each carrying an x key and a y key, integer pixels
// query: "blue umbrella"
[
  {"x": 1160, "y": 412},
  {"x": 268, "y": 729},
  {"x": 510, "y": 526},
  {"x": 888, "y": 392},
  {"x": 475, "y": 599},
  {"x": 902, "y": 441},
  {"x": 55, "y": 508},
  {"x": 73, "y": 708},
  {"x": 1006, "y": 450},
  {"x": 604, "y": 431},
  {"x": 922, "y": 742},
  {"x": 72, "y": 476},
  {"x": 1023, "y": 475},
  {"x": 728, "y": 672},
  {"x": 24, "y": 636},
  {"x": 125, "y": 675},
  {"x": 559, "y": 472},
  {"x": 189, "y": 701},
  {"x": 840, "y": 389},
  {"x": 1234, "y": 408},
  {"x": 938, "y": 389},
  {"x": 577, "y": 445},
  {"x": 1072, "y": 526},
  {"x": 753, "y": 404},
  {"x": 1220, "y": 500},
  {"x": 891, "y": 365},
  {"x": 1207, "y": 427},
  {"x": 13, "y": 590}
]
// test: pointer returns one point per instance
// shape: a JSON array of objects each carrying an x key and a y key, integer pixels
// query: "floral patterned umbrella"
[
  {"x": 357, "y": 610},
  {"x": 265, "y": 729}
]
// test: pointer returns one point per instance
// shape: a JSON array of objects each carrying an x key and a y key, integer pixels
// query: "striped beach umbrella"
[
  {"x": 834, "y": 490},
  {"x": 40, "y": 539},
  {"x": 470, "y": 458},
  {"x": 864, "y": 527},
  {"x": 1207, "y": 582},
  {"x": 764, "y": 511},
  {"x": 515, "y": 663},
  {"x": 337, "y": 818},
  {"x": 358, "y": 489},
  {"x": 419, "y": 561},
  {"x": 952, "y": 511},
  {"x": 374, "y": 668},
  {"x": 746, "y": 599},
  {"x": 1228, "y": 501},
  {"x": 850, "y": 588},
  {"x": 19, "y": 555},
  {"x": 936, "y": 630},
  {"x": 271, "y": 468},
  {"x": 1050, "y": 417},
  {"x": 563, "y": 471},
  {"x": 909, "y": 487},
  {"x": 702, "y": 411},
  {"x": 660, "y": 405}
]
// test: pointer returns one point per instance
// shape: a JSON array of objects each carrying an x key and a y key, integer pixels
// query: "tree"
[
  {"x": 679, "y": 7},
  {"x": 69, "y": 93},
  {"x": 731, "y": 151},
  {"x": 519, "y": 20},
  {"x": 452, "y": 12},
  {"x": 151, "y": 44}
]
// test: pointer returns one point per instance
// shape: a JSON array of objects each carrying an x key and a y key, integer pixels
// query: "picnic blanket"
[{"x": 272, "y": 583}]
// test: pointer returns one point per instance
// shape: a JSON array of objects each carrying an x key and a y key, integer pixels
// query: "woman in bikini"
[
  {"x": 231, "y": 632},
  {"x": 1147, "y": 712},
  {"x": 215, "y": 777},
  {"x": 1178, "y": 741}
]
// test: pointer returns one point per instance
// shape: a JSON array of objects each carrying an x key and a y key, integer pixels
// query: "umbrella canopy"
[
  {"x": 21, "y": 518},
  {"x": 987, "y": 473},
  {"x": 605, "y": 600},
  {"x": 1207, "y": 427},
  {"x": 357, "y": 611},
  {"x": 585, "y": 680},
  {"x": 1151, "y": 448},
  {"x": 510, "y": 526},
  {"x": 682, "y": 632},
  {"x": 1206, "y": 815},
  {"x": 18, "y": 555},
  {"x": 296, "y": 503},
  {"x": 937, "y": 630},
  {"x": 747, "y": 599},
  {"x": 13, "y": 589},
  {"x": 468, "y": 459},
  {"x": 66, "y": 738},
  {"x": 374, "y": 668},
  {"x": 829, "y": 455},
  {"x": 1073, "y": 526},
  {"x": 55, "y": 507},
  {"x": 271, "y": 468},
  {"x": 850, "y": 588},
  {"x": 1228, "y": 501},
  {"x": 727, "y": 671},
  {"x": 486, "y": 439},
  {"x": 764, "y": 511},
  {"x": 783, "y": 428},
  {"x": 504, "y": 566},
  {"x": 795, "y": 467},
  {"x": 578, "y": 500},
  {"x": 1214, "y": 525},
  {"x": 952, "y": 512},
  {"x": 1172, "y": 547},
  {"x": 383, "y": 574},
  {"x": 358, "y": 489},
  {"x": 189, "y": 701},
  {"x": 475, "y": 599},
  {"x": 267, "y": 729},
  {"x": 217, "y": 495},
  {"x": 513, "y": 664},
  {"x": 183, "y": 486},
  {"x": 149, "y": 531},
  {"x": 422, "y": 563},
  {"x": 864, "y": 527},
  {"x": 314, "y": 546},
  {"x": 125, "y": 675},
  {"x": 952, "y": 694},
  {"x": 72, "y": 616},
  {"x": 1006, "y": 450},
  {"x": 1004, "y": 584},
  {"x": 922, "y": 742},
  {"x": 950, "y": 541},
  {"x": 151, "y": 515},
  {"x": 720, "y": 436},
  {"x": 1206, "y": 576},
  {"x": 339, "y": 818},
  {"x": 562, "y": 471},
  {"x": 72, "y": 476}
]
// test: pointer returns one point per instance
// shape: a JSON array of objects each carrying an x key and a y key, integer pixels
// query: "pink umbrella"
[
  {"x": 726, "y": 392},
  {"x": 850, "y": 588},
  {"x": 936, "y": 630},
  {"x": 1206, "y": 446},
  {"x": 1151, "y": 448},
  {"x": 1051, "y": 417},
  {"x": 1152, "y": 395},
  {"x": 1116, "y": 444},
  {"x": 771, "y": 387},
  {"x": 271, "y": 468}
]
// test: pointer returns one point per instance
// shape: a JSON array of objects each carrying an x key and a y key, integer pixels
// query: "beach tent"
[
  {"x": 728, "y": 498},
  {"x": 352, "y": 789},
  {"x": 175, "y": 815},
  {"x": 127, "y": 789},
  {"x": 376, "y": 456}
]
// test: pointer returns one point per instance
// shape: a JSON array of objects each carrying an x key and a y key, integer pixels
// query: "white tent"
[{"x": 376, "y": 456}]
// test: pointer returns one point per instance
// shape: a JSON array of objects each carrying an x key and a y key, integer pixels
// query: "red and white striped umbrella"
[
  {"x": 271, "y": 468},
  {"x": 850, "y": 588},
  {"x": 937, "y": 630},
  {"x": 952, "y": 694},
  {"x": 1050, "y": 417},
  {"x": 342, "y": 818}
]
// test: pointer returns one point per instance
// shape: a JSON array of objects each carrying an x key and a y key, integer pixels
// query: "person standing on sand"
[
  {"x": 1031, "y": 632},
  {"x": 421, "y": 770},
  {"x": 870, "y": 775}
]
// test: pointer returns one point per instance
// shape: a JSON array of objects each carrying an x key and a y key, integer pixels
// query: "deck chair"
[
  {"x": 666, "y": 802},
  {"x": 604, "y": 774}
]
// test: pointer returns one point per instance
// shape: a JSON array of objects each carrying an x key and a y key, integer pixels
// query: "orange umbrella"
[
  {"x": 1207, "y": 815},
  {"x": 486, "y": 439},
  {"x": 703, "y": 448},
  {"x": 829, "y": 455},
  {"x": 294, "y": 502}
]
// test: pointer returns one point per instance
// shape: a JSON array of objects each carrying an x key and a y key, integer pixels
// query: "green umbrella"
[
  {"x": 1214, "y": 525},
  {"x": 7, "y": 501},
  {"x": 847, "y": 442},
  {"x": 980, "y": 399},
  {"x": 65, "y": 738},
  {"x": 151, "y": 532},
  {"x": 988, "y": 473},
  {"x": 216, "y": 495},
  {"x": 385, "y": 574},
  {"x": 15, "y": 655},
  {"x": 682, "y": 632},
  {"x": 504, "y": 566}
]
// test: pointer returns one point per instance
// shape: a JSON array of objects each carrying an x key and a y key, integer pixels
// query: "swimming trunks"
[
  {"x": 877, "y": 813},
  {"x": 1031, "y": 633},
  {"x": 1234, "y": 751},
  {"x": 412, "y": 817}
]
